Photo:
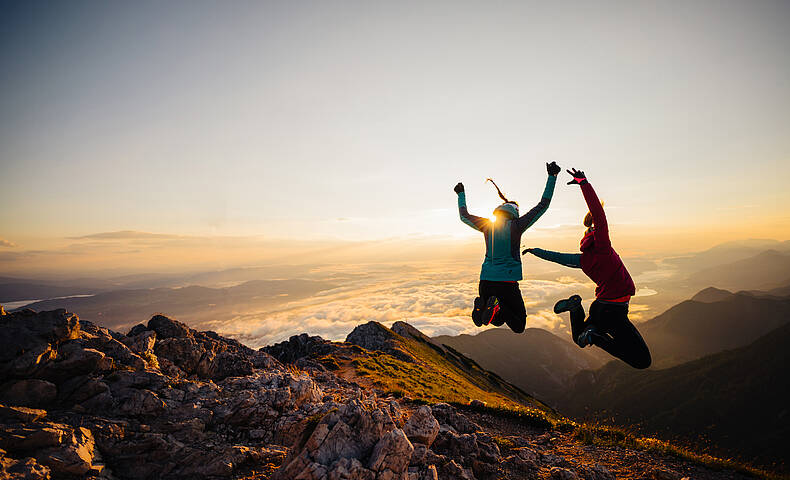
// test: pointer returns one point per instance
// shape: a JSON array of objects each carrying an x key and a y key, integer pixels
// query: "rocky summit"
[{"x": 166, "y": 401}]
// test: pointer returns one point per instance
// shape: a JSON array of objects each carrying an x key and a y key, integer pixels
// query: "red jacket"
[{"x": 599, "y": 261}]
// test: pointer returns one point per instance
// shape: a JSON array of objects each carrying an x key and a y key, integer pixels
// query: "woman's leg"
[
  {"x": 511, "y": 307},
  {"x": 577, "y": 323},
  {"x": 479, "y": 306},
  {"x": 618, "y": 336}
]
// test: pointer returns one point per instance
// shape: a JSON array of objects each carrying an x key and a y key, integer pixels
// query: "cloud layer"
[{"x": 436, "y": 303}]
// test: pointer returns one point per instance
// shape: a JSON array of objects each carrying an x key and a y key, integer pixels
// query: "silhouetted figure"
[
  {"x": 607, "y": 326},
  {"x": 500, "y": 298}
]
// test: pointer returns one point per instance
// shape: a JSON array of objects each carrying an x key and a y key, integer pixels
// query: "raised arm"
[
  {"x": 601, "y": 231},
  {"x": 573, "y": 260},
  {"x": 532, "y": 216},
  {"x": 478, "y": 223}
]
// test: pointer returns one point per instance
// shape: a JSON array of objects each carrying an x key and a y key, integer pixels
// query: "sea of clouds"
[{"x": 436, "y": 302}]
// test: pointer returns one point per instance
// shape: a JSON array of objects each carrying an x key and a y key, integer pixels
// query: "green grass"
[
  {"x": 437, "y": 376},
  {"x": 527, "y": 416},
  {"x": 431, "y": 383}
]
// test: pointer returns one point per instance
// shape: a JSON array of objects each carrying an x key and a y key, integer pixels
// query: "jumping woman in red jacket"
[{"x": 607, "y": 326}]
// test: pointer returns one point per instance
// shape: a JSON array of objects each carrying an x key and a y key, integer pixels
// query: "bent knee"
[{"x": 643, "y": 362}]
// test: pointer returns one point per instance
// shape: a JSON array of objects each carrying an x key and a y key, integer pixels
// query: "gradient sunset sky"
[{"x": 307, "y": 121}]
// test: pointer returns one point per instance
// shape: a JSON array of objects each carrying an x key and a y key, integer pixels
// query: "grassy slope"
[
  {"x": 440, "y": 375},
  {"x": 447, "y": 376}
]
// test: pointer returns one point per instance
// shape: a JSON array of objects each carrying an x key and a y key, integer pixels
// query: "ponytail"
[{"x": 501, "y": 195}]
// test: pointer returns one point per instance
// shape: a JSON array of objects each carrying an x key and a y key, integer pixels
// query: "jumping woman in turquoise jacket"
[{"x": 500, "y": 299}]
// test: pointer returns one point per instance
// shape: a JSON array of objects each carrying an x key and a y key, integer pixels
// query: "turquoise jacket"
[{"x": 503, "y": 259}]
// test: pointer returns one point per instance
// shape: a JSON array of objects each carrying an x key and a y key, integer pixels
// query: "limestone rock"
[
  {"x": 11, "y": 414},
  {"x": 167, "y": 328},
  {"x": 375, "y": 336},
  {"x": 74, "y": 456},
  {"x": 350, "y": 469},
  {"x": 391, "y": 454},
  {"x": 422, "y": 427},
  {"x": 297, "y": 347},
  {"x": 29, "y": 340},
  {"x": 28, "y": 393},
  {"x": 447, "y": 415},
  {"x": 27, "y": 469}
]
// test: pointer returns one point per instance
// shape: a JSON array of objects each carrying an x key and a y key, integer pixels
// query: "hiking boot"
[
  {"x": 477, "y": 312},
  {"x": 492, "y": 309},
  {"x": 571, "y": 303}
]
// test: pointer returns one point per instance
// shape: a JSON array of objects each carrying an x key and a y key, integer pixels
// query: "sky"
[{"x": 309, "y": 124}]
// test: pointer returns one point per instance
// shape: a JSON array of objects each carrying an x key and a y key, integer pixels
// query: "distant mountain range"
[
  {"x": 766, "y": 270},
  {"x": 712, "y": 321},
  {"x": 735, "y": 401},
  {"x": 538, "y": 361},
  {"x": 121, "y": 309},
  {"x": 719, "y": 371},
  {"x": 728, "y": 252}
]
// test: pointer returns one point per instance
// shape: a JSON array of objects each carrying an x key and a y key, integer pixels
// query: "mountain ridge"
[
  {"x": 167, "y": 401},
  {"x": 734, "y": 400}
]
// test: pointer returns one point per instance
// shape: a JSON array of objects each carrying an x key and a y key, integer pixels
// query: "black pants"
[
  {"x": 619, "y": 336},
  {"x": 511, "y": 306}
]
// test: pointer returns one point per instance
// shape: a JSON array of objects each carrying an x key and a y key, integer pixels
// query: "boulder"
[
  {"x": 142, "y": 343},
  {"x": 456, "y": 445},
  {"x": 73, "y": 359},
  {"x": 74, "y": 456},
  {"x": 297, "y": 347},
  {"x": 140, "y": 402},
  {"x": 122, "y": 355},
  {"x": 20, "y": 439},
  {"x": 167, "y": 328},
  {"x": 349, "y": 469},
  {"x": 447, "y": 415},
  {"x": 375, "y": 336},
  {"x": 11, "y": 414},
  {"x": 391, "y": 455},
  {"x": 422, "y": 427},
  {"x": 28, "y": 339},
  {"x": 31, "y": 392}
]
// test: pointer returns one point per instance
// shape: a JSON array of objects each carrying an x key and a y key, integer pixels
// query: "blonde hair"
[{"x": 588, "y": 219}]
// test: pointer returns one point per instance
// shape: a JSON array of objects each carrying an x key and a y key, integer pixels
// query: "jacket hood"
[{"x": 511, "y": 209}]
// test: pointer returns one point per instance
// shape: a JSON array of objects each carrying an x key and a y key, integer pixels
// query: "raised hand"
[
  {"x": 578, "y": 177},
  {"x": 553, "y": 168},
  {"x": 459, "y": 188}
]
